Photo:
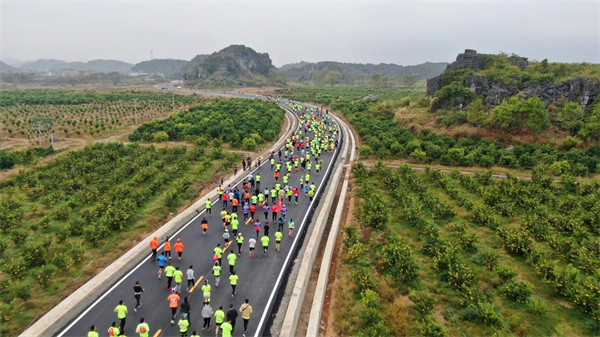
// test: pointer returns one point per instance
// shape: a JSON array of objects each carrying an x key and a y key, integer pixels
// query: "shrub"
[
  {"x": 518, "y": 291},
  {"x": 431, "y": 328},
  {"x": 44, "y": 275},
  {"x": 18, "y": 236},
  {"x": 423, "y": 304},
  {"x": 536, "y": 306},
  {"x": 365, "y": 151},
  {"x": 249, "y": 144},
  {"x": 160, "y": 136},
  {"x": 560, "y": 167},
  {"x": 505, "y": 272}
]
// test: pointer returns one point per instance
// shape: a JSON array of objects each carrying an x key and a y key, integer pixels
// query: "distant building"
[{"x": 370, "y": 97}]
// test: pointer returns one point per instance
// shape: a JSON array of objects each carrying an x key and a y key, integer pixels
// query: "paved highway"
[{"x": 260, "y": 277}]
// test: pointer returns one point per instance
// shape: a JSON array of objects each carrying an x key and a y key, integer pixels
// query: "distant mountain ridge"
[
  {"x": 94, "y": 65},
  {"x": 5, "y": 68},
  {"x": 303, "y": 71},
  {"x": 168, "y": 67}
]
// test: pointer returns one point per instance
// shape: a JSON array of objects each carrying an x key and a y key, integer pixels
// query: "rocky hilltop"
[
  {"x": 236, "y": 62},
  {"x": 498, "y": 77}
]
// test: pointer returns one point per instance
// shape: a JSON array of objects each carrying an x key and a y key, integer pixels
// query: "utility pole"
[
  {"x": 151, "y": 57},
  {"x": 173, "y": 92},
  {"x": 135, "y": 107}
]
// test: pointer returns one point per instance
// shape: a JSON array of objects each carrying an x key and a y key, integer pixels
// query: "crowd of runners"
[{"x": 251, "y": 204}]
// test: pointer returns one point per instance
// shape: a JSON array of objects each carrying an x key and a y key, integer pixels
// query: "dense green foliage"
[
  {"x": 381, "y": 135},
  {"x": 51, "y": 215},
  {"x": 495, "y": 256},
  {"x": 328, "y": 96},
  {"x": 231, "y": 120},
  {"x": 23, "y": 157}
]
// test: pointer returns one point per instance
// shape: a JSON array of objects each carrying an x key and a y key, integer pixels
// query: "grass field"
[{"x": 450, "y": 254}]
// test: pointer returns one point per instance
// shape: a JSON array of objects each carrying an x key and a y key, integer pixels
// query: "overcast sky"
[{"x": 401, "y": 32}]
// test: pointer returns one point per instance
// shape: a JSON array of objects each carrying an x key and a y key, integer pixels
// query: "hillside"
[
  {"x": 5, "y": 68},
  {"x": 94, "y": 65},
  {"x": 494, "y": 78},
  {"x": 354, "y": 72},
  {"x": 190, "y": 70},
  {"x": 167, "y": 67}
]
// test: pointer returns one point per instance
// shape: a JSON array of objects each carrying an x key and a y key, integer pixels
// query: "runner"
[
  {"x": 218, "y": 253},
  {"x": 246, "y": 310},
  {"x": 266, "y": 210},
  {"x": 233, "y": 280},
  {"x": 296, "y": 195},
  {"x": 137, "y": 293},
  {"x": 186, "y": 308},
  {"x": 232, "y": 316},
  {"x": 280, "y": 222},
  {"x": 207, "y": 313},
  {"x": 143, "y": 328},
  {"x": 191, "y": 280},
  {"x": 257, "y": 179},
  {"x": 154, "y": 247},
  {"x": 169, "y": 272},
  {"x": 234, "y": 225},
  {"x": 194, "y": 334},
  {"x": 167, "y": 248},
  {"x": 121, "y": 311},
  {"x": 204, "y": 225},
  {"x": 178, "y": 276},
  {"x": 257, "y": 227},
  {"x": 246, "y": 210},
  {"x": 252, "y": 245},
  {"x": 113, "y": 330},
  {"x": 231, "y": 259},
  {"x": 240, "y": 240},
  {"x": 227, "y": 328},
  {"x": 162, "y": 260},
  {"x": 216, "y": 273},
  {"x": 206, "y": 291},
  {"x": 179, "y": 248},
  {"x": 183, "y": 324},
  {"x": 92, "y": 332},
  {"x": 226, "y": 237},
  {"x": 278, "y": 236},
  {"x": 252, "y": 211},
  {"x": 234, "y": 205},
  {"x": 274, "y": 211},
  {"x": 208, "y": 206},
  {"x": 265, "y": 243},
  {"x": 291, "y": 226},
  {"x": 267, "y": 227},
  {"x": 219, "y": 318}
]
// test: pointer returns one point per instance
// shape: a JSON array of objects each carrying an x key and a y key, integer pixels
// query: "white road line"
[{"x": 80, "y": 316}]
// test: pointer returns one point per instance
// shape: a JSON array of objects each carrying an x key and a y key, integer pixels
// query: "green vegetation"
[
  {"x": 333, "y": 95},
  {"x": 231, "y": 120},
  {"x": 456, "y": 254},
  {"x": 23, "y": 157},
  {"x": 35, "y": 114},
  {"x": 381, "y": 135},
  {"x": 58, "y": 217}
]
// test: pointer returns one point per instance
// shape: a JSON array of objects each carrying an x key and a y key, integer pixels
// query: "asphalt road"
[{"x": 260, "y": 277}]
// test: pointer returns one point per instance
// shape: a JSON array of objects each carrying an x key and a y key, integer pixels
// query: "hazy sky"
[{"x": 402, "y": 32}]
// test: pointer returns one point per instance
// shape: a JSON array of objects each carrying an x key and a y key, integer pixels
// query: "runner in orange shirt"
[
  {"x": 173, "y": 304},
  {"x": 168, "y": 248},
  {"x": 154, "y": 247},
  {"x": 234, "y": 205},
  {"x": 179, "y": 248}
]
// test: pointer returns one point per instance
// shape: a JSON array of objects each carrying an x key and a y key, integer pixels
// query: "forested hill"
[
  {"x": 167, "y": 67},
  {"x": 356, "y": 72}
]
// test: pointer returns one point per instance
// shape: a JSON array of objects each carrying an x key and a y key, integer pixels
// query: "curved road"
[{"x": 260, "y": 277}]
